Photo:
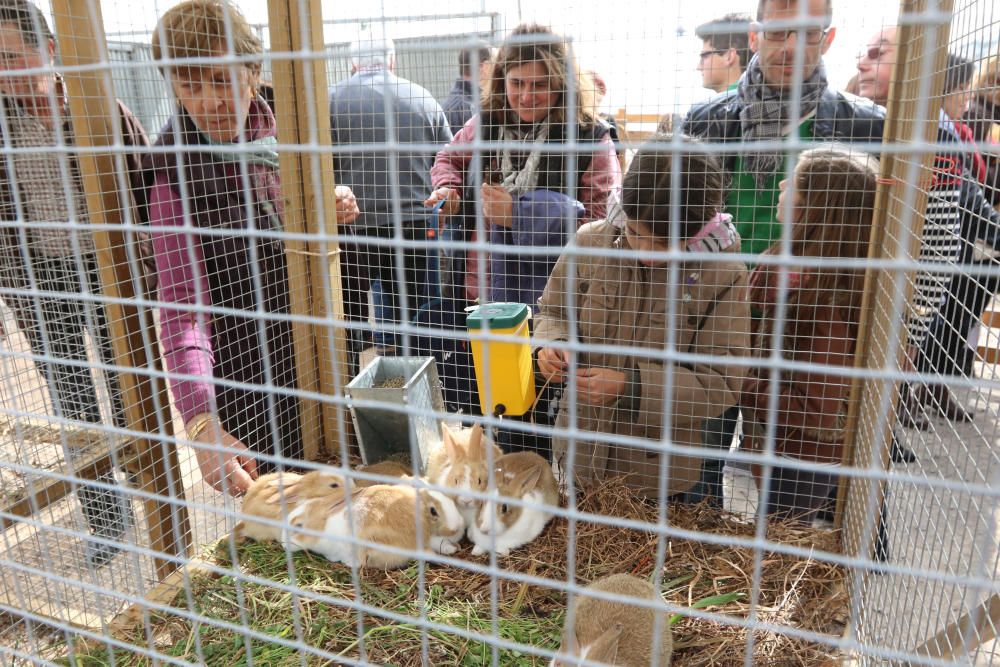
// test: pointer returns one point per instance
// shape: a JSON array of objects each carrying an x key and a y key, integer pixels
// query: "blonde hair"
[
  {"x": 532, "y": 43},
  {"x": 986, "y": 84},
  {"x": 198, "y": 29}
]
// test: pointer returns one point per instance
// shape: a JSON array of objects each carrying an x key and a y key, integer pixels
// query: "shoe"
[
  {"x": 900, "y": 454},
  {"x": 940, "y": 398},
  {"x": 108, "y": 514},
  {"x": 910, "y": 411}
]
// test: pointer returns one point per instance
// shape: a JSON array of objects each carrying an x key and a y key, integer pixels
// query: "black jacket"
[{"x": 839, "y": 117}]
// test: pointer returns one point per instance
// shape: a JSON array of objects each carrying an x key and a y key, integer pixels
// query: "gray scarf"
[
  {"x": 519, "y": 181},
  {"x": 765, "y": 114}
]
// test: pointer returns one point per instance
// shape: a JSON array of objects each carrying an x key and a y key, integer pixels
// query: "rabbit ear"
[
  {"x": 529, "y": 480},
  {"x": 605, "y": 648},
  {"x": 451, "y": 447},
  {"x": 476, "y": 439},
  {"x": 279, "y": 492}
]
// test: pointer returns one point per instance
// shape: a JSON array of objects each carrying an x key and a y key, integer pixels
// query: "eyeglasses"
[
  {"x": 873, "y": 53},
  {"x": 813, "y": 36},
  {"x": 711, "y": 52}
]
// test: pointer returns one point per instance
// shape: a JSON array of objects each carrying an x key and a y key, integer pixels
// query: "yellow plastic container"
[{"x": 509, "y": 380}]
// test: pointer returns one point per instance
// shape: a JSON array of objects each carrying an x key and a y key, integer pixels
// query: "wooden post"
[
  {"x": 310, "y": 206},
  {"x": 908, "y": 116},
  {"x": 95, "y": 116}
]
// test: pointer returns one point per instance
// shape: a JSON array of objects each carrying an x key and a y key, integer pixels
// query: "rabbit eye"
[
  {"x": 503, "y": 508},
  {"x": 434, "y": 511},
  {"x": 334, "y": 485},
  {"x": 479, "y": 481}
]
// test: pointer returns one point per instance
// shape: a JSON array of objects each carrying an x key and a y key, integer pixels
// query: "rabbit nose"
[{"x": 465, "y": 501}]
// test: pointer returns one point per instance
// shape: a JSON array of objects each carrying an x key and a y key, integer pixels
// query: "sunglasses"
[
  {"x": 813, "y": 36},
  {"x": 873, "y": 53}
]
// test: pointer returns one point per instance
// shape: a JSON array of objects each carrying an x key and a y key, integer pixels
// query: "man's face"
[
  {"x": 18, "y": 54},
  {"x": 875, "y": 66},
  {"x": 714, "y": 65},
  {"x": 775, "y": 47}
]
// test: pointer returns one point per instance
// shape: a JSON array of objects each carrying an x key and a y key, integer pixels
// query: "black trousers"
[
  {"x": 364, "y": 263},
  {"x": 56, "y": 326}
]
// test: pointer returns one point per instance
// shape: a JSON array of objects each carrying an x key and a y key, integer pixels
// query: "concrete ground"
[{"x": 942, "y": 532}]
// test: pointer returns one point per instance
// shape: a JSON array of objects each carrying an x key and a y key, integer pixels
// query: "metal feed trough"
[{"x": 384, "y": 430}]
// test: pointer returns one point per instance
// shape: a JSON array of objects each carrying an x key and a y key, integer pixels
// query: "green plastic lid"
[{"x": 497, "y": 315}]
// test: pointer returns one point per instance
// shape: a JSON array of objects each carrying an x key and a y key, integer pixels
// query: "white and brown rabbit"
[
  {"x": 383, "y": 514},
  {"x": 278, "y": 494},
  {"x": 461, "y": 462},
  {"x": 617, "y": 632},
  {"x": 522, "y": 476}
]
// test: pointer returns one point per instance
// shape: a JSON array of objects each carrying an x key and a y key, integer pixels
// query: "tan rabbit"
[
  {"x": 276, "y": 494},
  {"x": 523, "y": 476},
  {"x": 462, "y": 462},
  {"x": 386, "y": 469},
  {"x": 617, "y": 632},
  {"x": 384, "y": 514}
]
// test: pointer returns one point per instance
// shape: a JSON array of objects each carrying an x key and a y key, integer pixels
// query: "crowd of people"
[{"x": 518, "y": 156}]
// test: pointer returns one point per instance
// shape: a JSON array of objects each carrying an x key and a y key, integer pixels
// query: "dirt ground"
[{"x": 945, "y": 532}]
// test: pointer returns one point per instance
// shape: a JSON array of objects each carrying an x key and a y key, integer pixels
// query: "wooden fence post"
[
  {"x": 310, "y": 206},
  {"x": 95, "y": 119}
]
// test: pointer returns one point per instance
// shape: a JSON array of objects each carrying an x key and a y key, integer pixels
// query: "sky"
[{"x": 645, "y": 50}]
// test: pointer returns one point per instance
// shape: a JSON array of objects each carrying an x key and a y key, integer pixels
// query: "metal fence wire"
[{"x": 492, "y": 335}]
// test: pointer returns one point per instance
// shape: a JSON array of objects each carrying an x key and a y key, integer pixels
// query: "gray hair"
[{"x": 372, "y": 53}]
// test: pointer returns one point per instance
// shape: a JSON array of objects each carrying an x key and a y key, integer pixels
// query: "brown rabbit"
[
  {"x": 383, "y": 514},
  {"x": 523, "y": 476},
  {"x": 386, "y": 469},
  {"x": 462, "y": 462},
  {"x": 276, "y": 494},
  {"x": 617, "y": 632}
]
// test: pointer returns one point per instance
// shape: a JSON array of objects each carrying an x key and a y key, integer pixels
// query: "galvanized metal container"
[{"x": 384, "y": 431}]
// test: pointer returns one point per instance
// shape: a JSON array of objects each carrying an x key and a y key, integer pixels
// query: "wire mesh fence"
[{"x": 460, "y": 338}]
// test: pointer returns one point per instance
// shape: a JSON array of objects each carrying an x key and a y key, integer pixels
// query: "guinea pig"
[
  {"x": 383, "y": 514},
  {"x": 461, "y": 462},
  {"x": 617, "y": 632},
  {"x": 522, "y": 476}
]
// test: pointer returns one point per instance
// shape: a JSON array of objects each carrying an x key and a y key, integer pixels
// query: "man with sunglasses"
[
  {"x": 725, "y": 51},
  {"x": 759, "y": 109}
]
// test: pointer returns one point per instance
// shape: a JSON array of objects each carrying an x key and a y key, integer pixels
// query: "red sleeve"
[
  {"x": 603, "y": 176},
  {"x": 450, "y": 164}
]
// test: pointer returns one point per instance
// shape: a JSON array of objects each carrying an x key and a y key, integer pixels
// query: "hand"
[
  {"x": 228, "y": 459},
  {"x": 498, "y": 205},
  {"x": 552, "y": 364},
  {"x": 599, "y": 386},
  {"x": 451, "y": 198},
  {"x": 347, "y": 205}
]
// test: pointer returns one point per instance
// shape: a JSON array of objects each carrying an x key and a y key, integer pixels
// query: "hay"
[{"x": 796, "y": 592}]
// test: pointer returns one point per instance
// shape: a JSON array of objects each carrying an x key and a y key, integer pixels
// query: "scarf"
[
  {"x": 519, "y": 180},
  {"x": 765, "y": 114},
  {"x": 44, "y": 197},
  {"x": 717, "y": 235}
]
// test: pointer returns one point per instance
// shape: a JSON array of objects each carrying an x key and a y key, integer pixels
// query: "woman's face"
[
  {"x": 529, "y": 92},
  {"x": 783, "y": 214},
  {"x": 216, "y": 106},
  {"x": 640, "y": 237},
  {"x": 17, "y": 54}
]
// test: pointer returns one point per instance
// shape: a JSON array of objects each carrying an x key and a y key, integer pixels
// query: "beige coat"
[{"x": 618, "y": 301}]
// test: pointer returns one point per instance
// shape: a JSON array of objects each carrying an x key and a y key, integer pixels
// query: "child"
[
  {"x": 830, "y": 217},
  {"x": 621, "y": 299}
]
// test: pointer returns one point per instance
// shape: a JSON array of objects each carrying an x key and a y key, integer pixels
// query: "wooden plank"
[
  {"x": 971, "y": 630},
  {"x": 908, "y": 116},
  {"x": 296, "y": 27},
  {"x": 94, "y": 113},
  {"x": 989, "y": 355},
  {"x": 991, "y": 319},
  {"x": 125, "y": 624}
]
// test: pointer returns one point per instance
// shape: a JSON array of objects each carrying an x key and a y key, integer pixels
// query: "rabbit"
[
  {"x": 461, "y": 462},
  {"x": 272, "y": 495},
  {"x": 525, "y": 476},
  {"x": 384, "y": 514},
  {"x": 617, "y": 632},
  {"x": 386, "y": 469}
]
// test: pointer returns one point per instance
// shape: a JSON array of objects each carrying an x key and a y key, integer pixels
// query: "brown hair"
[
  {"x": 836, "y": 197},
  {"x": 532, "y": 43},
  {"x": 198, "y": 29},
  {"x": 29, "y": 20},
  {"x": 649, "y": 187},
  {"x": 732, "y": 31},
  {"x": 762, "y": 4}
]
